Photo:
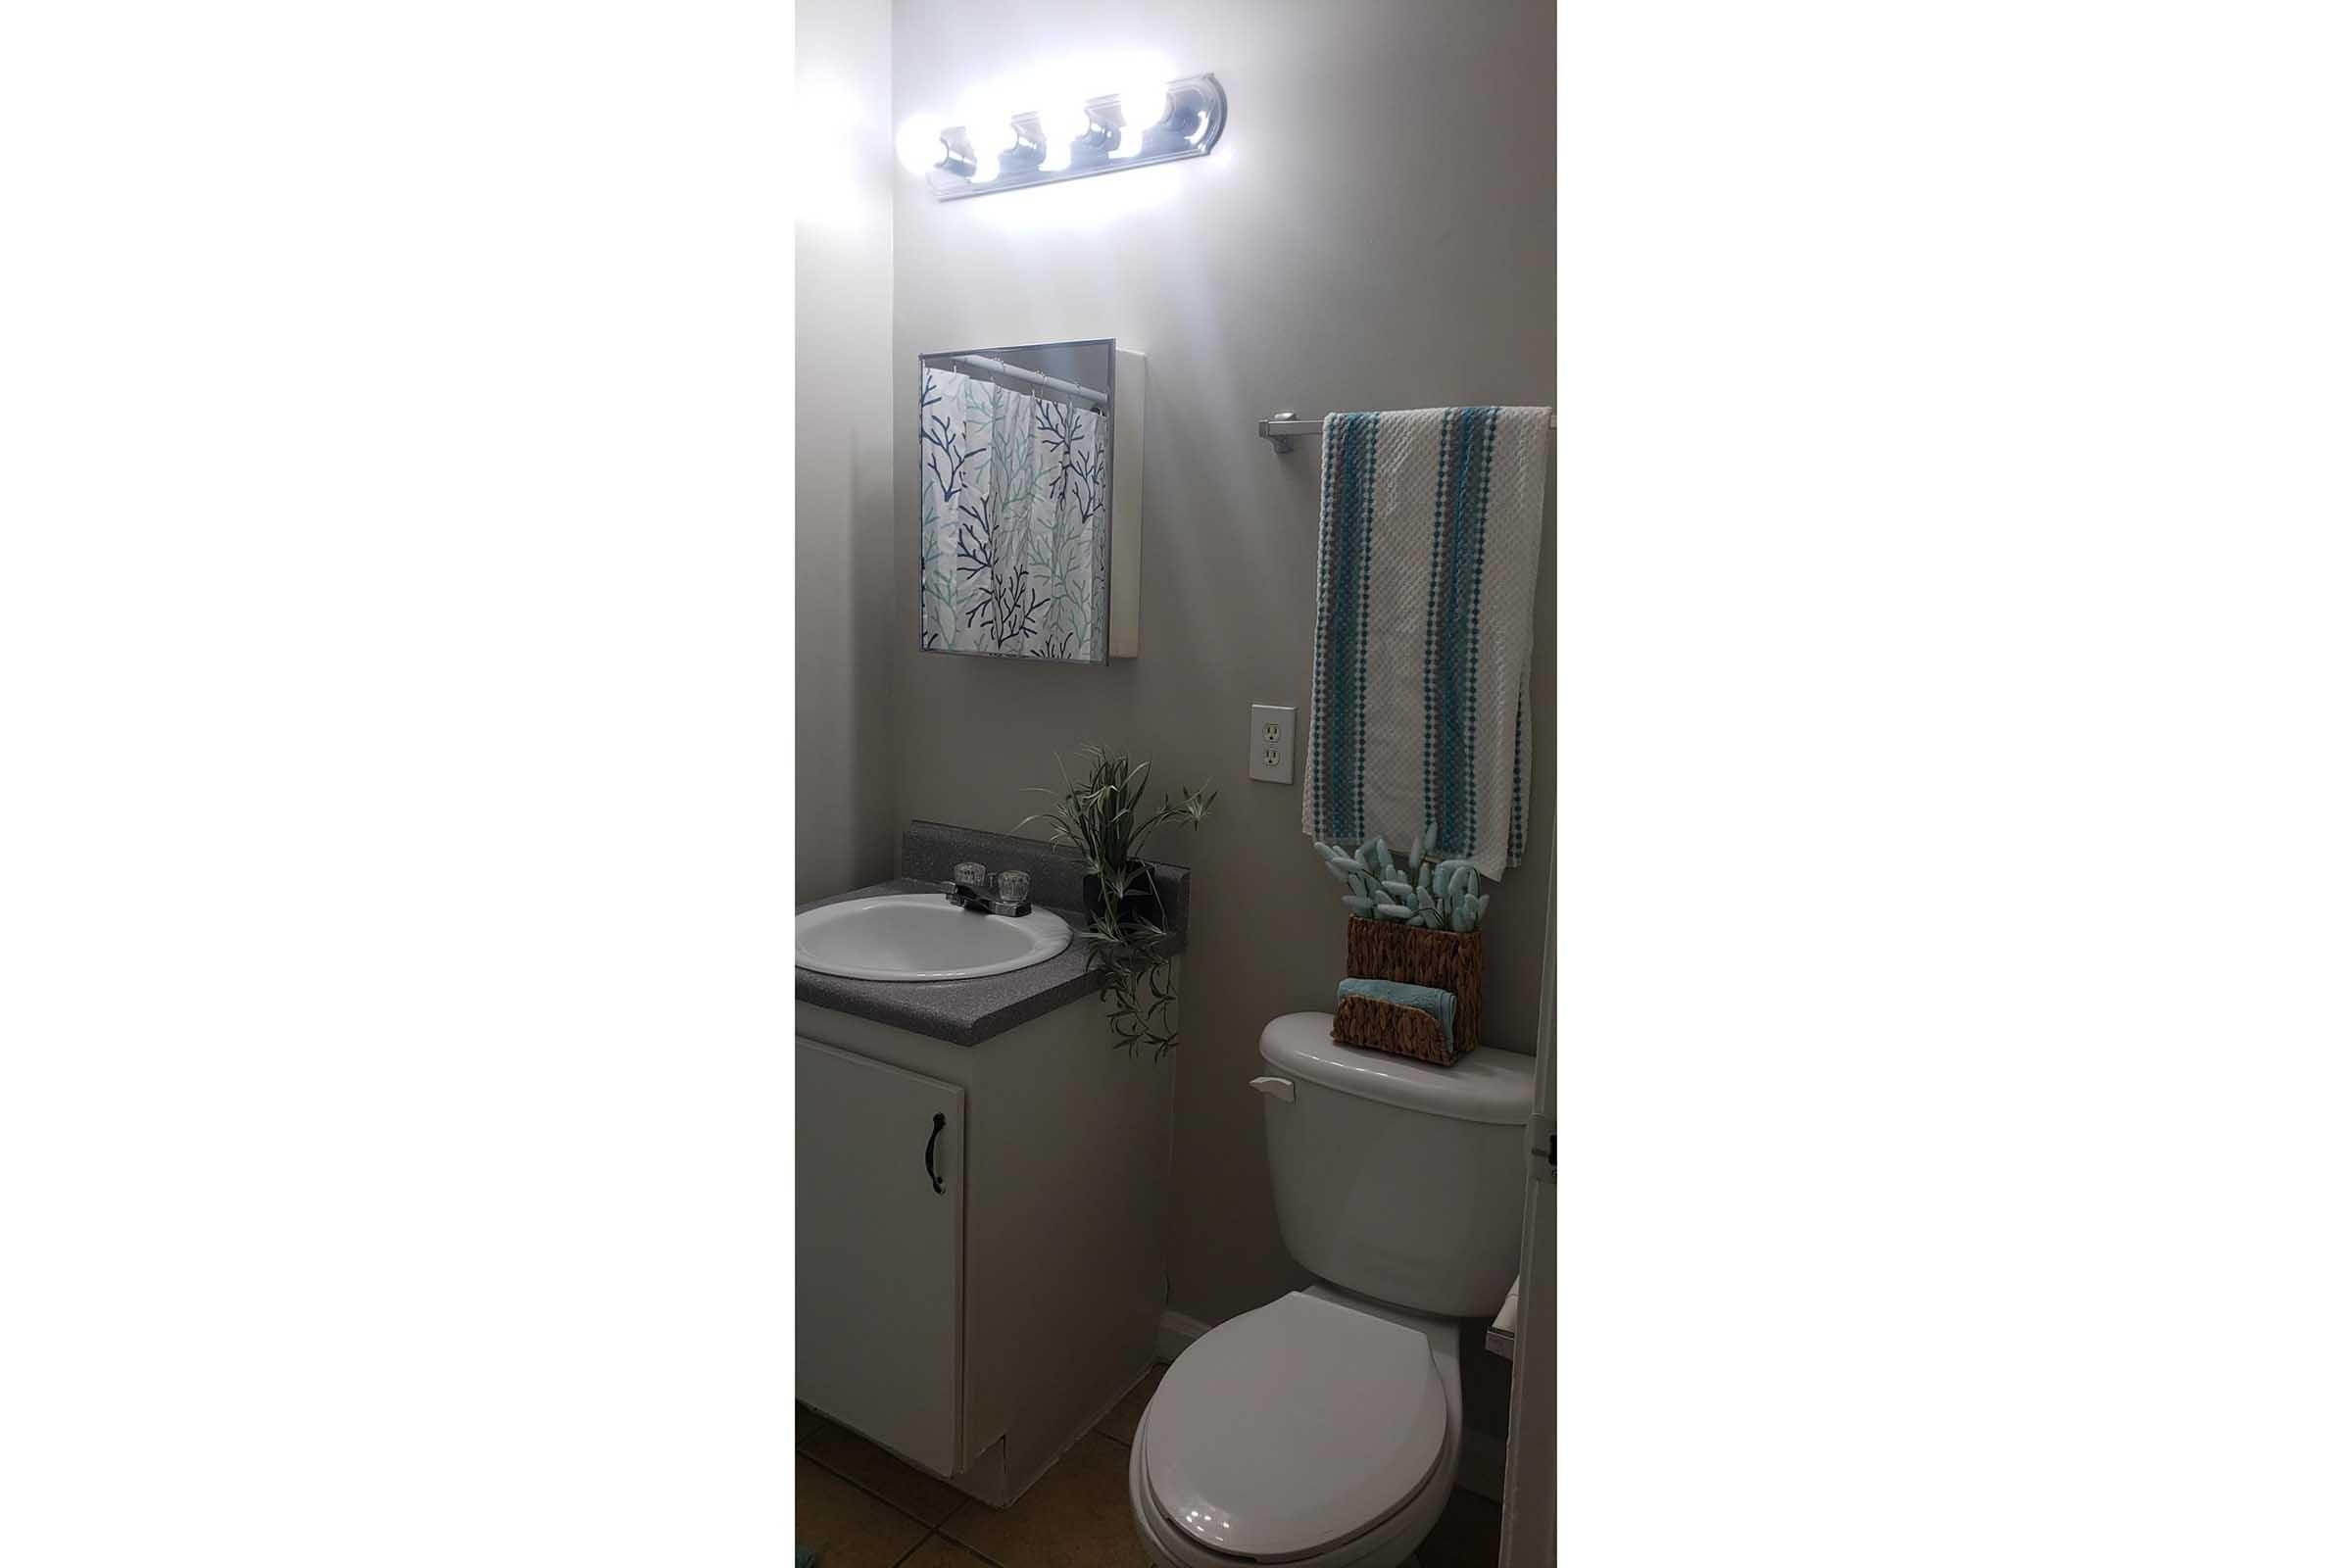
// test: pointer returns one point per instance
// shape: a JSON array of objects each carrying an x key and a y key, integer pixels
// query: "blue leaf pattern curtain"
[{"x": 1015, "y": 553}]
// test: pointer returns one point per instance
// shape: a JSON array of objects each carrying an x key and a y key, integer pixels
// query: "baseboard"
[
  {"x": 1177, "y": 1334},
  {"x": 1482, "y": 1455}
]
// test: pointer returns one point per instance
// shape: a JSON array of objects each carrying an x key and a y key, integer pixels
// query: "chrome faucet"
[{"x": 969, "y": 891}]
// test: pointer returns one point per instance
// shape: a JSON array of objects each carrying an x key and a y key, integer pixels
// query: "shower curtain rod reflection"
[{"x": 1015, "y": 373}]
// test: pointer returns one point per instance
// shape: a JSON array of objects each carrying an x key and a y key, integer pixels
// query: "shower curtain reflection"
[{"x": 1015, "y": 547}]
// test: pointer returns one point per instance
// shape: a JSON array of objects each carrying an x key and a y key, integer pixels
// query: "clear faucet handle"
[
  {"x": 1012, "y": 887},
  {"x": 973, "y": 874}
]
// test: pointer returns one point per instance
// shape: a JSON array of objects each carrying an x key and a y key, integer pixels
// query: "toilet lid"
[{"x": 1294, "y": 1427}]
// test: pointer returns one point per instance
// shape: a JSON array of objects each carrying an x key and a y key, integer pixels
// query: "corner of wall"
[{"x": 845, "y": 248}]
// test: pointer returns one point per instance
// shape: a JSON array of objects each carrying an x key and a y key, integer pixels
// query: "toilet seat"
[{"x": 1289, "y": 1430}]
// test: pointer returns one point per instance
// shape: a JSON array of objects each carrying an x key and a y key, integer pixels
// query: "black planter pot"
[{"x": 1140, "y": 904}]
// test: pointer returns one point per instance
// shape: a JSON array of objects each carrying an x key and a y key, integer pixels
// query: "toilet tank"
[{"x": 1394, "y": 1178}]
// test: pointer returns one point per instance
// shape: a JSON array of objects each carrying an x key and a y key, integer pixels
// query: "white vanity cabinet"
[
  {"x": 881, "y": 1270},
  {"x": 982, "y": 1235}
]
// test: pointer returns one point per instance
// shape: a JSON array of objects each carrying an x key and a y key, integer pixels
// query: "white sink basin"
[{"x": 921, "y": 936}]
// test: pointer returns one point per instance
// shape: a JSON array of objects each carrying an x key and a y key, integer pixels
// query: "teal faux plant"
[
  {"x": 1101, "y": 816},
  {"x": 1435, "y": 895}
]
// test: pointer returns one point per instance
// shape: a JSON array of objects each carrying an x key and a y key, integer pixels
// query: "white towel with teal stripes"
[{"x": 1424, "y": 629}]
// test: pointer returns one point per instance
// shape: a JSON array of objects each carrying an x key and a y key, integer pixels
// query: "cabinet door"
[{"x": 880, "y": 1220}]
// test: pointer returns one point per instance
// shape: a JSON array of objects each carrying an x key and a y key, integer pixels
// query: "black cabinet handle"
[{"x": 938, "y": 1122}]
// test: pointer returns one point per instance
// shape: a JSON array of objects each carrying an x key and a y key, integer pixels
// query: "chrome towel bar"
[{"x": 1285, "y": 428}]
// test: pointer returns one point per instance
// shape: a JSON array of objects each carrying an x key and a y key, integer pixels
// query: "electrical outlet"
[{"x": 1270, "y": 731}]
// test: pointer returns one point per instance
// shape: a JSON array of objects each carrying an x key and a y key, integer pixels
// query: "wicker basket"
[{"x": 1451, "y": 960}]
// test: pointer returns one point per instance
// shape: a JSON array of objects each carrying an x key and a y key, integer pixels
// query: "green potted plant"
[{"x": 1101, "y": 814}]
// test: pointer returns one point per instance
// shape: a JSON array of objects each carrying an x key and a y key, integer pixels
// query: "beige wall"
[
  {"x": 844, "y": 817},
  {"x": 1375, "y": 230}
]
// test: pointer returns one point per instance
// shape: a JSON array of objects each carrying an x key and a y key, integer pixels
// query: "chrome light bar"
[{"x": 1185, "y": 124}]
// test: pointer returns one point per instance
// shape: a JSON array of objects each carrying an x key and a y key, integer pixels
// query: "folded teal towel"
[
  {"x": 1438, "y": 1005},
  {"x": 803, "y": 1558}
]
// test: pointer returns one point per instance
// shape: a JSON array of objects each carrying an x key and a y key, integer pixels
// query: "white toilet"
[{"x": 1324, "y": 1429}]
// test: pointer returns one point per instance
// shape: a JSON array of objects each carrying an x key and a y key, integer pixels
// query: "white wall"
[
  {"x": 1375, "y": 230},
  {"x": 845, "y": 824}
]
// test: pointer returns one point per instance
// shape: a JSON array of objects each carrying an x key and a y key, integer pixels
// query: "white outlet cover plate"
[{"x": 1270, "y": 751}]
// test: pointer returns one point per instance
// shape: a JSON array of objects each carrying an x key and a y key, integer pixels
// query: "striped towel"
[{"x": 1424, "y": 629}]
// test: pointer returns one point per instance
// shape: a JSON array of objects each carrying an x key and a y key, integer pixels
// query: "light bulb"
[
  {"x": 1142, "y": 103},
  {"x": 920, "y": 148},
  {"x": 985, "y": 114},
  {"x": 1063, "y": 121},
  {"x": 1141, "y": 78}
]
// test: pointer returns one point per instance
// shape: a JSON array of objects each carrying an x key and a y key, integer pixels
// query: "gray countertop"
[{"x": 965, "y": 1012}]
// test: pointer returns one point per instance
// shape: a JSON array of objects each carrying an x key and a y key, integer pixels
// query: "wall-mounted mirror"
[{"x": 1026, "y": 508}]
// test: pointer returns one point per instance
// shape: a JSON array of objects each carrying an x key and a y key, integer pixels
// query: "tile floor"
[{"x": 864, "y": 1508}]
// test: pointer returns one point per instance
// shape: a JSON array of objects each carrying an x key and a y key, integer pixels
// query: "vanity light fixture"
[{"x": 1125, "y": 129}]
